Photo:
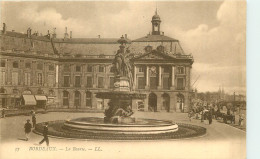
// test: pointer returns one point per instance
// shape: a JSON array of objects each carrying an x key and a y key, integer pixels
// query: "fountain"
[
  {"x": 119, "y": 115},
  {"x": 119, "y": 122}
]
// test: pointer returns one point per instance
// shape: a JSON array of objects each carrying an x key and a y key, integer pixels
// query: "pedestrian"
[
  {"x": 27, "y": 129},
  {"x": 34, "y": 120},
  {"x": 210, "y": 117},
  {"x": 202, "y": 116},
  {"x": 3, "y": 113},
  {"x": 45, "y": 135},
  {"x": 241, "y": 118},
  {"x": 190, "y": 114}
]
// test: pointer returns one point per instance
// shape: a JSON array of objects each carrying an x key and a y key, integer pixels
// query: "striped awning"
[{"x": 29, "y": 100}]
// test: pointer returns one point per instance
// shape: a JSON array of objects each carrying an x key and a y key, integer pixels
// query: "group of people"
[
  {"x": 28, "y": 128},
  {"x": 205, "y": 114},
  {"x": 208, "y": 113}
]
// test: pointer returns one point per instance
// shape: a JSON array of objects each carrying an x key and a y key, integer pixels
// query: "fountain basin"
[{"x": 140, "y": 126}]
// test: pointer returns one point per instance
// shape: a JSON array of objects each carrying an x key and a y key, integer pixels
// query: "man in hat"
[
  {"x": 27, "y": 129},
  {"x": 45, "y": 135}
]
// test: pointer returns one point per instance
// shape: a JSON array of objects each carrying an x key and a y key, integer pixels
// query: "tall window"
[
  {"x": 77, "y": 81},
  {"x": 51, "y": 80},
  {"x": 89, "y": 82},
  {"x": 153, "y": 82},
  {"x": 66, "y": 81},
  {"x": 78, "y": 68},
  {"x": 101, "y": 69},
  {"x": 141, "y": 82},
  {"x": 15, "y": 64},
  {"x": 88, "y": 99},
  {"x": 14, "y": 78},
  {"x": 51, "y": 67},
  {"x": 65, "y": 98},
  {"x": 39, "y": 79},
  {"x": 2, "y": 78},
  {"x": 77, "y": 99},
  {"x": 27, "y": 79},
  {"x": 111, "y": 82},
  {"x": 166, "y": 83},
  {"x": 2, "y": 63},
  {"x": 100, "y": 82},
  {"x": 89, "y": 68},
  {"x": 40, "y": 66},
  {"x": 180, "y": 83},
  {"x": 28, "y": 65}
]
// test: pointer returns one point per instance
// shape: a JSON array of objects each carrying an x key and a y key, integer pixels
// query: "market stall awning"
[
  {"x": 39, "y": 97},
  {"x": 29, "y": 100}
]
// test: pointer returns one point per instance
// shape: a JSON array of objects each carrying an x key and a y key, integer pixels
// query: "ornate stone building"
[{"x": 69, "y": 71}]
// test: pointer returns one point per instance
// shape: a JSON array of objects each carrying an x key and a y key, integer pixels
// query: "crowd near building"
[{"x": 67, "y": 72}]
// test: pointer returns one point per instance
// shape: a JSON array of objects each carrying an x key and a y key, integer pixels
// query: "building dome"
[{"x": 156, "y": 17}]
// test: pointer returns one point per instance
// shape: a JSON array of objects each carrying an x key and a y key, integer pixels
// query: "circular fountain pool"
[{"x": 142, "y": 129}]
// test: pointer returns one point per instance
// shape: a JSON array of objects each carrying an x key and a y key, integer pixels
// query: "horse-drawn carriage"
[{"x": 225, "y": 117}]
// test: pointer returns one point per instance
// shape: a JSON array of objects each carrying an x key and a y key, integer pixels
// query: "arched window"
[
  {"x": 2, "y": 90},
  {"x": 65, "y": 98},
  {"x": 40, "y": 91},
  {"x": 88, "y": 99},
  {"x": 51, "y": 93},
  {"x": 77, "y": 99}
]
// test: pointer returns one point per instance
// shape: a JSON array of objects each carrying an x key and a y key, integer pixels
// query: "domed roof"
[{"x": 156, "y": 16}]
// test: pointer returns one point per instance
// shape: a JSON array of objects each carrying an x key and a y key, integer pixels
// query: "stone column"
[
  {"x": 34, "y": 74},
  {"x": 187, "y": 80},
  {"x": 83, "y": 78},
  {"x": 83, "y": 99},
  {"x": 146, "y": 102},
  {"x": 106, "y": 77},
  {"x": 57, "y": 75},
  {"x": 94, "y": 76},
  {"x": 71, "y": 76},
  {"x": 135, "y": 69},
  {"x": 173, "y": 78},
  {"x": 159, "y": 77},
  {"x": 21, "y": 73},
  {"x": 147, "y": 85}
]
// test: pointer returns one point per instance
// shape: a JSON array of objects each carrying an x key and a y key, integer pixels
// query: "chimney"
[
  {"x": 4, "y": 28},
  {"x": 66, "y": 33},
  {"x": 54, "y": 33},
  {"x": 125, "y": 36},
  {"x": 29, "y": 32},
  {"x": 48, "y": 34},
  {"x": 70, "y": 34}
]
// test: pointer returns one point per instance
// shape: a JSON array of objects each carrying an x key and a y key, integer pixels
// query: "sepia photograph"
[{"x": 123, "y": 79}]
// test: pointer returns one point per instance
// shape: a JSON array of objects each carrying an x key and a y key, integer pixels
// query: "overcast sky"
[{"x": 213, "y": 32}]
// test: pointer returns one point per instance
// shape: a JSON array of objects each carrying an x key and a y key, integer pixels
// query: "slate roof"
[
  {"x": 89, "y": 40},
  {"x": 155, "y": 38}
]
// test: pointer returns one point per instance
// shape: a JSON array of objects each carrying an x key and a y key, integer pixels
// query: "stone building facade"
[{"x": 69, "y": 71}]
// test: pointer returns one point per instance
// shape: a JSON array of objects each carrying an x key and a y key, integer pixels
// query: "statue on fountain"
[{"x": 120, "y": 106}]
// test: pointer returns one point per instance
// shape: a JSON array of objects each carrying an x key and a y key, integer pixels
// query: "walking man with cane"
[{"x": 45, "y": 135}]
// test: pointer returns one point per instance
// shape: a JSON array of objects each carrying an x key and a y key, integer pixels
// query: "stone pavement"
[{"x": 221, "y": 141}]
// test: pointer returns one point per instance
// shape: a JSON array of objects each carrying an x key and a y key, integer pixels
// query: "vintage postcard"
[{"x": 123, "y": 79}]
